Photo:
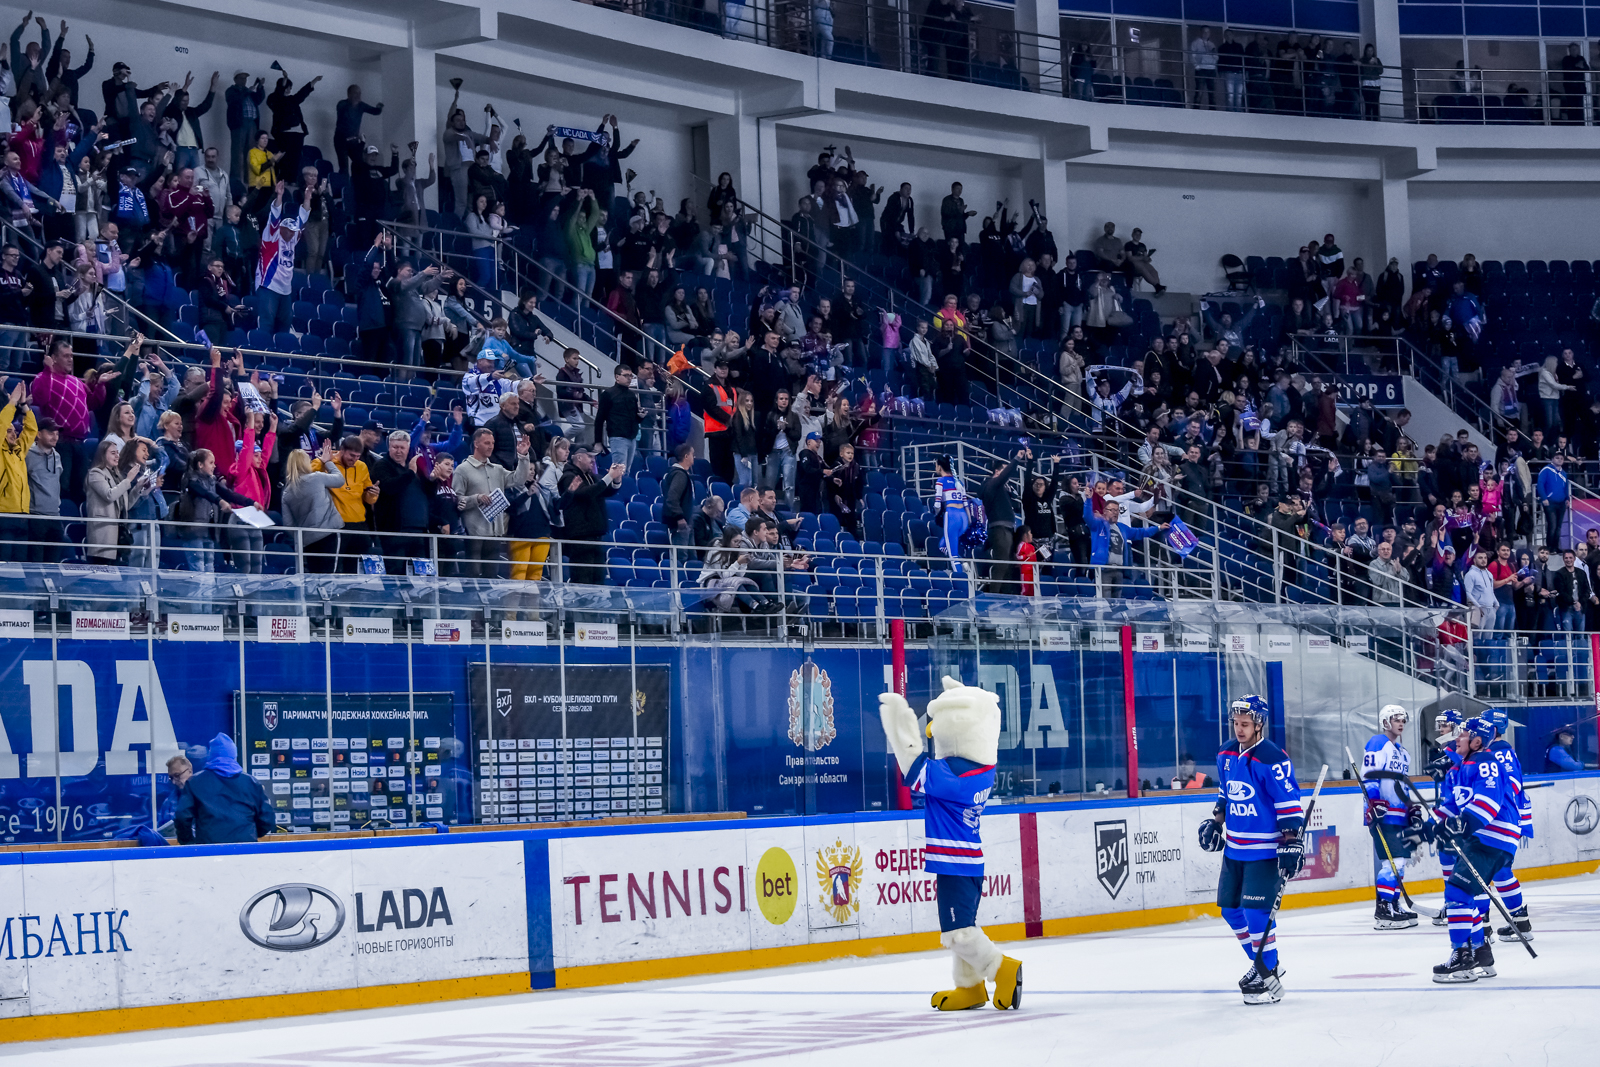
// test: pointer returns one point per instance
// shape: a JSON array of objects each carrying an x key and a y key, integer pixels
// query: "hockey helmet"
[
  {"x": 1447, "y": 722},
  {"x": 1390, "y": 711},
  {"x": 1499, "y": 719},
  {"x": 1479, "y": 727},
  {"x": 1253, "y": 706}
]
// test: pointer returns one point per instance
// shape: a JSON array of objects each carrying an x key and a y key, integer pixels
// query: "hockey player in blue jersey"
[
  {"x": 1505, "y": 881},
  {"x": 1256, "y": 826},
  {"x": 1477, "y": 813},
  {"x": 1387, "y": 815},
  {"x": 964, "y": 722},
  {"x": 1447, "y": 728}
]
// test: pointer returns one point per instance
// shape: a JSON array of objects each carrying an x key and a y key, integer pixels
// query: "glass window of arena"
[
  {"x": 1140, "y": 50},
  {"x": 1515, "y": 61}
]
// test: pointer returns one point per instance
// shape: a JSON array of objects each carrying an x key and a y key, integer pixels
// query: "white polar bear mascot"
[{"x": 964, "y": 722}]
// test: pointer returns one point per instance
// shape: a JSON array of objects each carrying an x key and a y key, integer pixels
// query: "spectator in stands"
[
  {"x": 846, "y": 486},
  {"x": 1386, "y": 576},
  {"x": 953, "y": 215},
  {"x": 583, "y": 497},
  {"x": 1554, "y": 492},
  {"x": 244, "y": 111},
  {"x": 1111, "y": 544},
  {"x": 1551, "y": 390},
  {"x": 309, "y": 505},
  {"x": 1203, "y": 58},
  {"x": 618, "y": 418},
  {"x": 710, "y": 523},
  {"x": 15, "y": 497},
  {"x": 1573, "y": 593},
  {"x": 289, "y": 127},
  {"x": 950, "y": 351},
  {"x": 481, "y": 485},
  {"x": 677, "y": 496},
  {"x": 275, "y": 269},
  {"x": 1000, "y": 509}
]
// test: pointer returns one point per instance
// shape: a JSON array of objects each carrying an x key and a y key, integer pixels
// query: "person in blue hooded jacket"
[{"x": 222, "y": 804}]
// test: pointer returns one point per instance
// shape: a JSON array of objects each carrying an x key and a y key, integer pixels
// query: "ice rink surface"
[{"x": 1167, "y": 994}]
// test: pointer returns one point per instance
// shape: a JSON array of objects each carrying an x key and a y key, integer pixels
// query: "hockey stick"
[
  {"x": 1272, "y": 916},
  {"x": 1379, "y": 830},
  {"x": 1462, "y": 859}
]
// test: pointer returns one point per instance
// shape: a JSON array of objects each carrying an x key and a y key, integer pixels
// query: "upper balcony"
[{"x": 1255, "y": 70}]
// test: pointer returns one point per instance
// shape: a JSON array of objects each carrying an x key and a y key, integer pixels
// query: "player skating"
[
  {"x": 1256, "y": 826},
  {"x": 964, "y": 722},
  {"x": 1447, "y": 728},
  {"x": 1476, "y": 814},
  {"x": 1505, "y": 882},
  {"x": 1387, "y": 815}
]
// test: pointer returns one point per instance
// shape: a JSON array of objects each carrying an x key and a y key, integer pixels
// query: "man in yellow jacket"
[
  {"x": 352, "y": 500},
  {"x": 14, "y": 495}
]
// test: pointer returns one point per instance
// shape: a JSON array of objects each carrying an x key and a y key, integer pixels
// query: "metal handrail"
[
  {"x": 552, "y": 288},
  {"x": 1480, "y": 96},
  {"x": 781, "y": 239}
]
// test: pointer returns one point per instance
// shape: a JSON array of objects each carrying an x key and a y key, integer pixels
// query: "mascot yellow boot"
[{"x": 964, "y": 722}]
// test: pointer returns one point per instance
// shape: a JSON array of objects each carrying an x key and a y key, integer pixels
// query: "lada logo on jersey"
[
  {"x": 1111, "y": 855},
  {"x": 839, "y": 871},
  {"x": 294, "y": 920},
  {"x": 1582, "y": 815},
  {"x": 811, "y": 708},
  {"x": 1241, "y": 791},
  {"x": 1461, "y": 794}
]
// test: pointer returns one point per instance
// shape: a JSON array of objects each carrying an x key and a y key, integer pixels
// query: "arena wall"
[{"x": 144, "y": 938}]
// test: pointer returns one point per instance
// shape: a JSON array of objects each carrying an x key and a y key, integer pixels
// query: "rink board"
[{"x": 96, "y": 942}]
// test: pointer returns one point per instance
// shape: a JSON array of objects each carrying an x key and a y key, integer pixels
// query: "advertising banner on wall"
[
  {"x": 595, "y": 749},
  {"x": 364, "y": 763},
  {"x": 181, "y": 928}
]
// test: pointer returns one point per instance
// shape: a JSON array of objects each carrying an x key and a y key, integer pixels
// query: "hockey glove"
[
  {"x": 1380, "y": 808},
  {"x": 1291, "y": 855},
  {"x": 1211, "y": 836},
  {"x": 1440, "y": 766},
  {"x": 1415, "y": 815},
  {"x": 1416, "y": 833}
]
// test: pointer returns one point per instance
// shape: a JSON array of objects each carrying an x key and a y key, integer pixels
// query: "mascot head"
[{"x": 964, "y": 721}]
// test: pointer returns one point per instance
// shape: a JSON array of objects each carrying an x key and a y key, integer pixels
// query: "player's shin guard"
[
  {"x": 1510, "y": 890},
  {"x": 1461, "y": 912},
  {"x": 1241, "y": 929},
  {"x": 1257, "y": 920}
]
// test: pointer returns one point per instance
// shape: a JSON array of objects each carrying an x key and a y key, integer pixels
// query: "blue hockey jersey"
[
  {"x": 1383, "y": 754},
  {"x": 956, "y": 791},
  {"x": 1257, "y": 790},
  {"x": 1479, "y": 793},
  {"x": 1511, "y": 768}
]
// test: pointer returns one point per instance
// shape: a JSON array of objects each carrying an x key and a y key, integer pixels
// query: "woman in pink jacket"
[{"x": 250, "y": 479}]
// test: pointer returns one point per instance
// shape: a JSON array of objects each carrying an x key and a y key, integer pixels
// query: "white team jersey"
[{"x": 1383, "y": 754}]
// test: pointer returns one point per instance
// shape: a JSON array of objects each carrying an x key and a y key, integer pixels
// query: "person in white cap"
[{"x": 275, "y": 269}]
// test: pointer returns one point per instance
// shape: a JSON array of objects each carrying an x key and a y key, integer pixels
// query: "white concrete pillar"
[
  {"x": 1038, "y": 24},
  {"x": 411, "y": 106},
  {"x": 1396, "y": 225},
  {"x": 1050, "y": 178},
  {"x": 734, "y": 145},
  {"x": 1380, "y": 27}
]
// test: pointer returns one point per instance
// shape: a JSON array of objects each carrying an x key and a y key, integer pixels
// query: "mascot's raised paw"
[
  {"x": 1008, "y": 984},
  {"x": 961, "y": 999}
]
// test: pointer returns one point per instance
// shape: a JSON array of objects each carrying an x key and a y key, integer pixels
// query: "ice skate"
[
  {"x": 1389, "y": 917},
  {"x": 961, "y": 999},
  {"x": 1483, "y": 961},
  {"x": 1261, "y": 986},
  {"x": 1523, "y": 925},
  {"x": 1439, "y": 918},
  {"x": 1460, "y": 967},
  {"x": 1008, "y": 984}
]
